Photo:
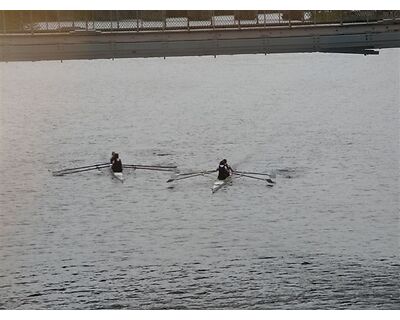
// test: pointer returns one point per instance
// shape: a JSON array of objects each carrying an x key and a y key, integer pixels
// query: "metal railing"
[{"x": 161, "y": 20}]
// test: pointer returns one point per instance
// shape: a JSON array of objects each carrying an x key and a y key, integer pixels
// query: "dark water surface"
[{"x": 325, "y": 236}]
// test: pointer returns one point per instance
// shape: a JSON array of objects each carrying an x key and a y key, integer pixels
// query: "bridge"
[{"x": 65, "y": 35}]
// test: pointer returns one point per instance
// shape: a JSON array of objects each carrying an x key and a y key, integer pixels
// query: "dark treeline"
[{"x": 20, "y": 20}]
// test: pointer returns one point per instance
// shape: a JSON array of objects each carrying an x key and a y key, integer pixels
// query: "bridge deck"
[{"x": 347, "y": 38}]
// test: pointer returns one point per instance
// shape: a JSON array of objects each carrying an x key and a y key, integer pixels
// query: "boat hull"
[
  {"x": 117, "y": 175},
  {"x": 218, "y": 184}
]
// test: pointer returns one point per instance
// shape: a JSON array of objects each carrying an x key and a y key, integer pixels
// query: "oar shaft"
[
  {"x": 197, "y": 172},
  {"x": 256, "y": 173},
  {"x": 58, "y": 173},
  {"x": 187, "y": 177},
  {"x": 83, "y": 167},
  {"x": 149, "y": 166},
  {"x": 257, "y": 178},
  {"x": 154, "y": 169}
]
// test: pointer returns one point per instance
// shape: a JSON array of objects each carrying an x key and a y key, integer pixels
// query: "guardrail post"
[
  {"x": 265, "y": 20},
  {"x": 21, "y": 22},
  {"x": 47, "y": 20},
  {"x": 212, "y": 19},
  {"x": 91, "y": 11},
  {"x": 164, "y": 20},
  {"x": 188, "y": 21},
  {"x": 73, "y": 19},
  {"x": 31, "y": 21},
  {"x": 4, "y": 21},
  {"x": 111, "y": 21},
  {"x": 86, "y": 21},
  {"x": 58, "y": 21},
  {"x": 137, "y": 20},
  {"x": 117, "y": 17}
]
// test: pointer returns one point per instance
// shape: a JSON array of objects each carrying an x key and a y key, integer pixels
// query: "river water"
[{"x": 326, "y": 236}]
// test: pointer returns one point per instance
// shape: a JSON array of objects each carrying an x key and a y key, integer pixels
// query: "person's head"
[
  {"x": 116, "y": 155},
  {"x": 223, "y": 162},
  {"x": 113, "y": 154}
]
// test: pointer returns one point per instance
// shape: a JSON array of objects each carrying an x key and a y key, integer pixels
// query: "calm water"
[{"x": 325, "y": 236}]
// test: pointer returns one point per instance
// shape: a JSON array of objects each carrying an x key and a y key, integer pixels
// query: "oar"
[
  {"x": 195, "y": 172},
  {"x": 189, "y": 176},
  {"x": 256, "y": 173},
  {"x": 61, "y": 173},
  {"x": 247, "y": 176},
  {"x": 84, "y": 167},
  {"x": 148, "y": 166}
]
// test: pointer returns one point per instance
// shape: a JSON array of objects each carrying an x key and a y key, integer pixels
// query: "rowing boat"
[
  {"x": 218, "y": 184},
  {"x": 118, "y": 175}
]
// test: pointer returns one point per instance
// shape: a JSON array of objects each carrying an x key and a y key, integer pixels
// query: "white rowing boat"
[
  {"x": 218, "y": 184},
  {"x": 117, "y": 175}
]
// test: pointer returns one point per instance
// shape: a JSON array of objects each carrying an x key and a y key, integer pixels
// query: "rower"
[
  {"x": 224, "y": 170},
  {"x": 116, "y": 164},
  {"x": 112, "y": 157}
]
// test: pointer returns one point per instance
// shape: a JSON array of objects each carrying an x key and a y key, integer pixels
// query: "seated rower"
[
  {"x": 224, "y": 170},
  {"x": 112, "y": 157},
  {"x": 116, "y": 163}
]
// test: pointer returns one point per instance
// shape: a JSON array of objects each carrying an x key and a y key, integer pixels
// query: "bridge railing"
[{"x": 162, "y": 20}]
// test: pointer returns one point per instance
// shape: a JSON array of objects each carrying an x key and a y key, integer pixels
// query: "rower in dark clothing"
[
  {"x": 224, "y": 170},
  {"x": 112, "y": 157},
  {"x": 116, "y": 163}
]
